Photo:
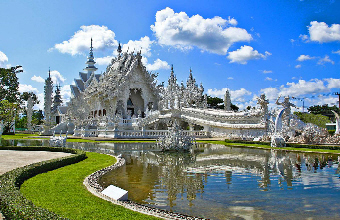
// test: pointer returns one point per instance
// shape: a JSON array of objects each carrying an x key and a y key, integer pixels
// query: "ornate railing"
[{"x": 147, "y": 133}]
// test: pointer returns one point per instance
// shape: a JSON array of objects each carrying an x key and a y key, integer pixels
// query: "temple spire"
[
  {"x": 91, "y": 48},
  {"x": 119, "y": 49}
]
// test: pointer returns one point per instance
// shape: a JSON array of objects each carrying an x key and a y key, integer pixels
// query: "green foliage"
[
  {"x": 9, "y": 84},
  {"x": 8, "y": 112},
  {"x": 13, "y": 205},
  {"x": 62, "y": 191},
  {"x": 319, "y": 120},
  {"x": 331, "y": 132},
  {"x": 324, "y": 110},
  {"x": 37, "y": 119},
  {"x": 218, "y": 103}
]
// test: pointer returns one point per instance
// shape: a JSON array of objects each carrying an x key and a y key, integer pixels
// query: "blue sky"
[{"x": 283, "y": 48}]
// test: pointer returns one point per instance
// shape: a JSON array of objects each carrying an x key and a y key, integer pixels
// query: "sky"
[{"x": 279, "y": 48}]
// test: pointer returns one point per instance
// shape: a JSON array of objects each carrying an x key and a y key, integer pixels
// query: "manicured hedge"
[{"x": 13, "y": 204}]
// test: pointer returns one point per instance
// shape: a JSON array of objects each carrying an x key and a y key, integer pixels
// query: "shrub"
[{"x": 13, "y": 204}]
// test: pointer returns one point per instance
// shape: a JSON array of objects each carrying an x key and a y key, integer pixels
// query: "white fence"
[{"x": 135, "y": 133}]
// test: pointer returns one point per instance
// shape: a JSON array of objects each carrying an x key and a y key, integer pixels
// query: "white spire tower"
[{"x": 90, "y": 63}]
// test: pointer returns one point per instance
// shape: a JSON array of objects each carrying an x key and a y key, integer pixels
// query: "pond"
[{"x": 220, "y": 182}]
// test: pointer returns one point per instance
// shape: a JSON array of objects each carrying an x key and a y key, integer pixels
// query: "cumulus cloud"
[
  {"x": 65, "y": 93},
  {"x": 57, "y": 78},
  {"x": 3, "y": 59},
  {"x": 104, "y": 61},
  {"x": 27, "y": 88},
  {"x": 324, "y": 60},
  {"x": 304, "y": 58},
  {"x": 230, "y": 78},
  {"x": 246, "y": 53},
  {"x": 214, "y": 35},
  {"x": 300, "y": 88},
  {"x": 333, "y": 83},
  {"x": 235, "y": 95},
  {"x": 157, "y": 65},
  {"x": 79, "y": 43},
  {"x": 37, "y": 79},
  {"x": 322, "y": 33},
  {"x": 267, "y": 71},
  {"x": 298, "y": 66},
  {"x": 143, "y": 45}
]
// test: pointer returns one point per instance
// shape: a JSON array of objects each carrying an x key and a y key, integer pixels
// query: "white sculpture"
[
  {"x": 58, "y": 141},
  {"x": 29, "y": 113},
  {"x": 227, "y": 101},
  {"x": 48, "y": 90},
  {"x": 337, "y": 122},
  {"x": 175, "y": 140},
  {"x": 286, "y": 105},
  {"x": 277, "y": 140}
]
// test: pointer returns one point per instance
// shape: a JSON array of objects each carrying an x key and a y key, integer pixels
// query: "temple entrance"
[{"x": 135, "y": 103}]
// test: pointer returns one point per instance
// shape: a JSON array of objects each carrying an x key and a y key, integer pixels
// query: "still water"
[{"x": 220, "y": 182}]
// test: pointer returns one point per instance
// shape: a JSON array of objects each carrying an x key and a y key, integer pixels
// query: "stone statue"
[
  {"x": 286, "y": 105},
  {"x": 227, "y": 101},
  {"x": 263, "y": 102}
]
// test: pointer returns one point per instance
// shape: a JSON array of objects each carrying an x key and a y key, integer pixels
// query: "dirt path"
[{"x": 11, "y": 159}]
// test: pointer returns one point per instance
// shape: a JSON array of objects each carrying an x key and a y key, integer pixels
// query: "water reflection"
[{"x": 222, "y": 182}]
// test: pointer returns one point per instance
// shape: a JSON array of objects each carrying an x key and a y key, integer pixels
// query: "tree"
[
  {"x": 9, "y": 85},
  {"x": 217, "y": 103},
  {"x": 8, "y": 113},
  {"x": 9, "y": 96},
  {"x": 319, "y": 120},
  {"x": 324, "y": 110}
]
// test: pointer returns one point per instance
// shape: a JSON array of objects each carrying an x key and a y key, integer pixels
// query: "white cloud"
[
  {"x": 41, "y": 102},
  {"x": 3, "y": 59},
  {"x": 37, "y": 79},
  {"x": 304, "y": 58},
  {"x": 244, "y": 54},
  {"x": 65, "y": 93},
  {"x": 336, "y": 52},
  {"x": 157, "y": 64},
  {"x": 57, "y": 77},
  {"x": 79, "y": 43},
  {"x": 230, "y": 78},
  {"x": 104, "y": 61},
  {"x": 324, "y": 60},
  {"x": 322, "y": 33},
  {"x": 27, "y": 88},
  {"x": 267, "y": 71},
  {"x": 184, "y": 32},
  {"x": 298, "y": 66},
  {"x": 303, "y": 87},
  {"x": 143, "y": 45},
  {"x": 304, "y": 37},
  {"x": 333, "y": 83},
  {"x": 235, "y": 95},
  {"x": 271, "y": 93},
  {"x": 270, "y": 79}
]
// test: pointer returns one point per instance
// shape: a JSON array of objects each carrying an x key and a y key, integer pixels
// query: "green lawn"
[
  {"x": 263, "y": 146},
  {"x": 62, "y": 192},
  {"x": 18, "y": 136}
]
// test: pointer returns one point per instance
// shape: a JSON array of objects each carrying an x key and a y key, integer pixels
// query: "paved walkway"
[{"x": 11, "y": 159}]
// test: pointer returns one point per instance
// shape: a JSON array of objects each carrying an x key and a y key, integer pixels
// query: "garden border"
[
  {"x": 91, "y": 182},
  {"x": 13, "y": 205}
]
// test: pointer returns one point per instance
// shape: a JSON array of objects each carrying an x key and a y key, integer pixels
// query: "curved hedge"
[{"x": 13, "y": 205}]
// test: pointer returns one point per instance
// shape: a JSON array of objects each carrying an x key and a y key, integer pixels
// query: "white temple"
[{"x": 126, "y": 102}]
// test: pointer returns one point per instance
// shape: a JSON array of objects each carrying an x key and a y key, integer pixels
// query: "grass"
[
  {"x": 18, "y": 136},
  {"x": 268, "y": 147},
  {"x": 115, "y": 141},
  {"x": 62, "y": 192}
]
